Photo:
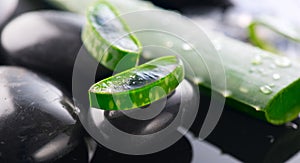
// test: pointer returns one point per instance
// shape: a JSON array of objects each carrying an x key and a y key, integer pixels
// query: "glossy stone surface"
[
  {"x": 6, "y": 10},
  {"x": 179, "y": 4},
  {"x": 180, "y": 152},
  {"x": 79, "y": 155},
  {"x": 142, "y": 130},
  {"x": 37, "y": 121},
  {"x": 46, "y": 41}
]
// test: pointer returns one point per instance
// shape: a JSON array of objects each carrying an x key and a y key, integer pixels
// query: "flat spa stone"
[
  {"x": 37, "y": 121},
  {"x": 7, "y": 8},
  {"x": 47, "y": 42}
]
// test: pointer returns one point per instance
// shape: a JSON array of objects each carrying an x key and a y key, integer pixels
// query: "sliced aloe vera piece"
[
  {"x": 286, "y": 29},
  {"x": 134, "y": 88},
  {"x": 108, "y": 38}
]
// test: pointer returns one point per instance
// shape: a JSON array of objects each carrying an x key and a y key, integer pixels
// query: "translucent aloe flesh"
[
  {"x": 259, "y": 83},
  {"x": 136, "y": 87},
  {"x": 108, "y": 38}
]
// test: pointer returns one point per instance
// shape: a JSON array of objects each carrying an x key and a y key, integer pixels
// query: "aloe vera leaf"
[
  {"x": 252, "y": 74},
  {"x": 286, "y": 29},
  {"x": 138, "y": 84},
  {"x": 108, "y": 39},
  {"x": 258, "y": 82}
]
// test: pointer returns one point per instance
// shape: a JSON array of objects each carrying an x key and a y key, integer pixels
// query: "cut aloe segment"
[
  {"x": 277, "y": 25},
  {"x": 136, "y": 87},
  {"x": 108, "y": 39}
]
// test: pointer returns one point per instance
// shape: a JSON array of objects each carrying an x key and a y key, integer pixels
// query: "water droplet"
[
  {"x": 169, "y": 44},
  {"x": 276, "y": 76},
  {"x": 257, "y": 60},
  {"x": 252, "y": 69},
  {"x": 218, "y": 46},
  {"x": 197, "y": 80},
  {"x": 283, "y": 62},
  {"x": 261, "y": 70},
  {"x": 186, "y": 47},
  {"x": 227, "y": 93},
  {"x": 271, "y": 138},
  {"x": 266, "y": 89},
  {"x": 272, "y": 66},
  {"x": 257, "y": 108},
  {"x": 76, "y": 110},
  {"x": 292, "y": 125},
  {"x": 244, "y": 90},
  {"x": 272, "y": 85}
]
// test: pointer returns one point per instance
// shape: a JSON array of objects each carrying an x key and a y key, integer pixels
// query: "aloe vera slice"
[
  {"x": 108, "y": 38},
  {"x": 277, "y": 25},
  {"x": 137, "y": 84}
]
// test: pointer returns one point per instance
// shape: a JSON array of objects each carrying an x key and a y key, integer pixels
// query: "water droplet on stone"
[
  {"x": 257, "y": 60},
  {"x": 276, "y": 76},
  {"x": 76, "y": 110},
  {"x": 271, "y": 138},
  {"x": 292, "y": 125},
  {"x": 266, "y": 89},
  {"x": 186, "y": 47},
  {"x": 283, "y": 62}
]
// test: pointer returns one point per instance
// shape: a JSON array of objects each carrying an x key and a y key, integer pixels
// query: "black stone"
[
  {"x": 180, "y": 4},
  {"x": 45, "y": 41},
  {"x": 37, "y": 121},
  {"x": 180, "y": 152},
  {"x": 143, "y": 127},
  {"x": 149, "y": 126},
  {"x": 7, "y": 8},
  {"x": 79, "y": 155}
]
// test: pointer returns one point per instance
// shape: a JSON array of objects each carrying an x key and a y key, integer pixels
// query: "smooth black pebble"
[
  {"x": 37, "y": 121},
  {"x": 7, "y": 8},
  {"x": 180, "y": 4},
  {"x": 180, "y": 152},
  {"x": 134, "y": 131},
  {"x": 45, "y": 41}
]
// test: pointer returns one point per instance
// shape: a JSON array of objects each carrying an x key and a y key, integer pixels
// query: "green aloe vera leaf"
[
  {"x": 108, "y": 39},
  {"x": 259, "y": 83},
  {"x": 286, "y": 29},
  {"x": 136, "y": 87}
]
